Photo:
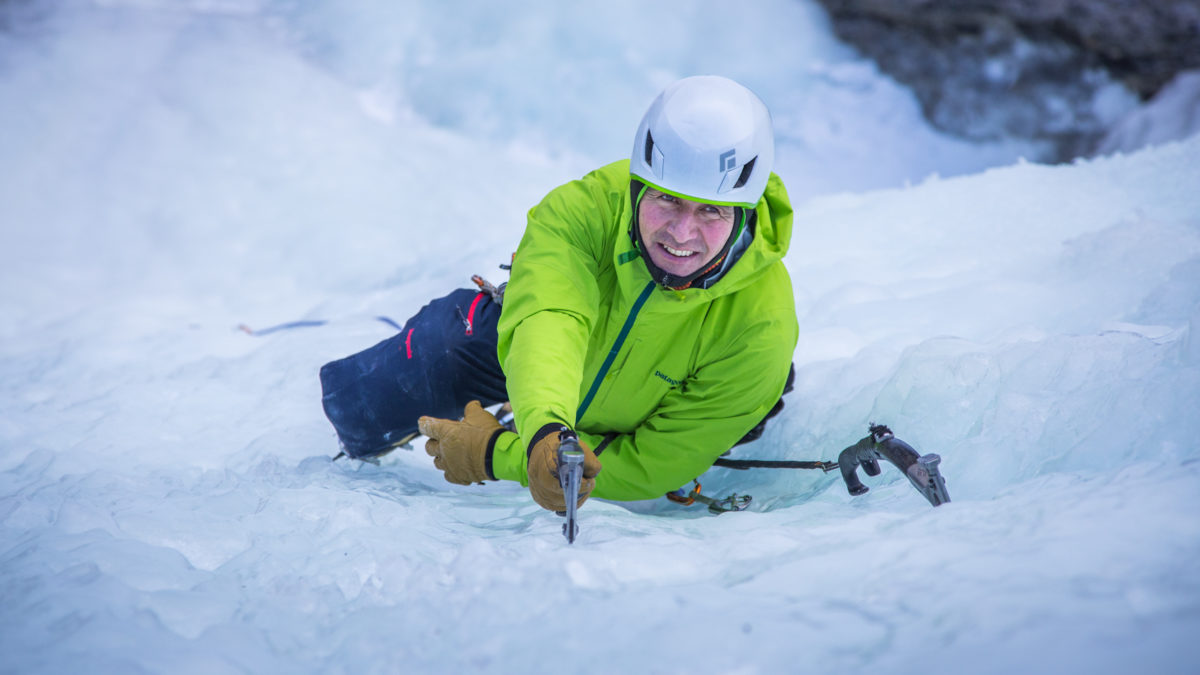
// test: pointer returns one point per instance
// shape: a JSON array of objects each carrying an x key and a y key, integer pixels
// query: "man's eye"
[{"x": 667, "y": 198}]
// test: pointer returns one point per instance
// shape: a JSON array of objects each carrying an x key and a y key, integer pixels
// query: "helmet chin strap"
[{"x": 664, "y": 278}]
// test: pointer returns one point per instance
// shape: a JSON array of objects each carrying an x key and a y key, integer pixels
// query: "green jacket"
[{"x": 670, "y": 379}]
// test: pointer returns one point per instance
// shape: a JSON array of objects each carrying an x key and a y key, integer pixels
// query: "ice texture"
[{"x": 171, "y": 170}]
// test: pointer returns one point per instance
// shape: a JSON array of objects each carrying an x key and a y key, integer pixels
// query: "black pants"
[{"x": 442, "y": 359}]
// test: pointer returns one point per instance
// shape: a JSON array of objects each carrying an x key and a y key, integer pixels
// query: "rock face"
[{"x": 1063, "y": 71}]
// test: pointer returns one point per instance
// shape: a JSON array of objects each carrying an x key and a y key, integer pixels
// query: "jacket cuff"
[
  {"x": 487, "y": 454},
  {"x": 545, "y": 431},
  {"x": 508, "y": 458}
]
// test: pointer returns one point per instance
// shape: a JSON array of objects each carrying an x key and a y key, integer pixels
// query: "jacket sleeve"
[
  {"x": 551, "y": 304},
  {"x": 703, "y": 418}
]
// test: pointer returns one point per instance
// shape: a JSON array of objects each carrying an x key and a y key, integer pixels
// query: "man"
[{"x": 648, "y": 311}]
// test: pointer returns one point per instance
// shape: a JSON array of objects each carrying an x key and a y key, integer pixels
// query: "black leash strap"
[{"x": 743, "y": 464}]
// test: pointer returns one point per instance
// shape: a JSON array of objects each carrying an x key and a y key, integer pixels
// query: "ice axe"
[{"x": 921, "y": 470}]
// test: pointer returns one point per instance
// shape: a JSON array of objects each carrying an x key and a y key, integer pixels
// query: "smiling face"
[{"x": 682, "y": 236}]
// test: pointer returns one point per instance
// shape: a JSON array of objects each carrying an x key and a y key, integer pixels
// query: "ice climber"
[{"x": 648, "y": 309}]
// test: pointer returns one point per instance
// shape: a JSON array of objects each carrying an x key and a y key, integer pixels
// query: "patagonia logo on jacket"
[{"x": 669, "y": 380}]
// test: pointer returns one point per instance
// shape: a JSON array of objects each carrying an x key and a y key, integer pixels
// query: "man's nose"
[{"x": 684, "y": 226}]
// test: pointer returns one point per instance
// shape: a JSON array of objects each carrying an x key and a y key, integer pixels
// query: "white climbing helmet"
[{"x": 706, "y": 138}]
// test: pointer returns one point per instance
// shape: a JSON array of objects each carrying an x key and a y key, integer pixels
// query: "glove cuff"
[{"x": 542, "y": 433}]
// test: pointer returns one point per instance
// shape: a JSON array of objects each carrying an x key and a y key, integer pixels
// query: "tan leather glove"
[
  {"x": 543, "y": 473},
  {"x": 461, "y": 448}
]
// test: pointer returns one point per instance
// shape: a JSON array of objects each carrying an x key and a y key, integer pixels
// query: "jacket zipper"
[
  {"x": 616, "y": 348},
  {"x": 470, "y": 320}
]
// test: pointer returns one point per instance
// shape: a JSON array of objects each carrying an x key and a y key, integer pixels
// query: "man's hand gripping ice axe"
[{"x": 562, "y": 473}]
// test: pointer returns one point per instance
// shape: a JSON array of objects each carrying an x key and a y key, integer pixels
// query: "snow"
[{"x": 170, "y": 170}]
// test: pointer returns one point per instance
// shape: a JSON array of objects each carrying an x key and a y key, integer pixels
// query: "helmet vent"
[
  {"x": 649, "y": 149},
  {"x": 746, "y": 171}
]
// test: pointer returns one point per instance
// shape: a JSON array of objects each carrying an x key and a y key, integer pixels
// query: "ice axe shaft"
[{"x": 570, "y": 475}]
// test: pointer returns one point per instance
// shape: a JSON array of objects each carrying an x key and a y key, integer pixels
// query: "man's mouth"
[{"x": 677, "y": 252}]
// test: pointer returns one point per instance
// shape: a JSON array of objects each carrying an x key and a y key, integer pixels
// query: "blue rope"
[
  {"x": 389, "y": 322},
  {"x": 304, "y": 324}
]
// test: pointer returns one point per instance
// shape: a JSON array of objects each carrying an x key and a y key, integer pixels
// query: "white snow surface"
[{"x": 170, "y": 170}]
